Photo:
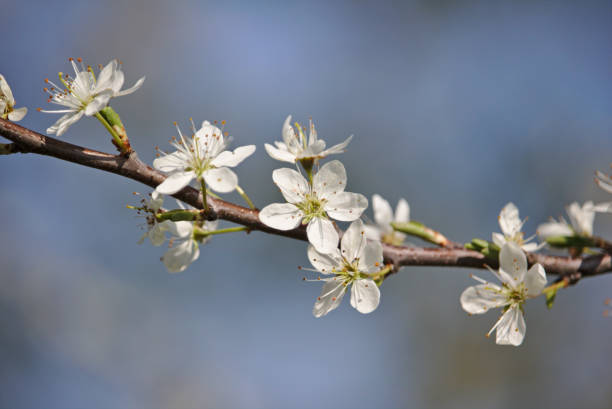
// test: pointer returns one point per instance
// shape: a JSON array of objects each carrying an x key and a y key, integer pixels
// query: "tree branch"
[{"x": 28, "y": 141}]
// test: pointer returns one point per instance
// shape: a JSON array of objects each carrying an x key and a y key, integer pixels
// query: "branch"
[{"x": 28, "y": 141}]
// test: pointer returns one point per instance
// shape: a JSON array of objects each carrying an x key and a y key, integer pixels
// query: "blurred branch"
[{"x": 28, "y": 141}]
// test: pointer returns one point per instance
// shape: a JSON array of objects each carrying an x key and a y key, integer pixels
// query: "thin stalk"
[
  {"x": 113, "y": 133},
  {"x": 203, "y": 190},
  {"x": 245, "y": 197}
]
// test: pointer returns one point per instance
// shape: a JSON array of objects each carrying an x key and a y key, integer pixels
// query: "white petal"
[
  {"x": 402, "y": 211},
  {"x": 373, "y": 232},
  {"x": 531, "y": 247},
  {"x": 133, "y": 88},
  {"x": 6, "y": 90},
  {"x": 581, "y": 217},
  {"x": 292, "y": 185},
  {"x": 180, "y": 229},
  {"x": 330, "y": 179},
  {"x": 157, "y": 234},
  {"x": 105, "y": 76},
  {"x": 509, "y": 220},
  {"x": 478, "y": 299},
  {"x": 535, "y": 280},
  {"x": 179, "y": 257},
  {"x": 353, "y": 241},
  {"x": 513, "y": 262},
  {"x": 325, "y": 263},
  {"x": 281, "y": 216},
  {"x": 279, "y": 154},
  {"x": 365, "y": 296},
  {"x": 346, "y": 206},
  {"x": 99, "y": 102},
  {"x": 322, "y": 235},
  {"x": 172, "y": 162},
  {"x": 371, "y": 259},
  {"x": 511, "y": 328},
  {"x": 234, "y": 158},
  {"x": 175, "y": 182},
  {"x": 330, "y": 298},
  {"x": 18, "y": 114},
  {"x": 383, "y": 214},
  {"x": 552, "y": 229},
  {"x": 603, "y": 207},
  {"x": 222, "y": 180},
  {"x": 339, "y": 148},
  {"x": 498, "y": 239},
  {"x": 289, "y": 136},
  {"x": 62, "y": 124}
]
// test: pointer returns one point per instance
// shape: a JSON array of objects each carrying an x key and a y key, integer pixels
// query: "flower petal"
[
  {"x": 371, "y": 259},
  {"x": 509, "y": 220},
  {"x": 552, "y": 229},
  {"x": 329, "y": 180},
  {"x": 365, "y": 296},
  {"x": 322, "y": 235},
  {"x": 17, "y": 114},
  {"x": 6, "y": 90},
  {"x": 279, "y": 154},
  {"x": 346, "y": 206},
  {"x": 511, "y": 328},
  {"x": 179, "y": 257},
  {"x": 513, "y": 263},
  {"x": 281, "y": 216},
  {"x": 353, "y": 241},
  {"x": 292, "y": 185},
  {"x": 231, "y": 159},
  {"x": 171, "y": 162},
  {"x": 325, "y": 263},
  {"x": 99, "y": 102},
  {"x": 498, "y": 239},
  {"x": 62, "y": 124},
  {"x": 383, "y": 214},
  {"x": 581, "y": 217},
  {"x": 180, "y": 229},
  {"x": 478, "y": 299},
  {"x": 402, "y": 211},
  {"x": 330, "y": 298},
  {"x": 339, "y": 148},
  {"x": 289, "y": 136},
  {"x": 222, "y": 180},
  {"x": 175, "y": 182},
  {"x": 133, "y": 88},
  {"x": 157, "y": 234},
  {"x": 535, "y": 280}
]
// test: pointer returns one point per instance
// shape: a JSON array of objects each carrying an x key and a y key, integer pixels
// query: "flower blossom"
[
  {"x": 156, "y": 231},
  {"x": 296, "y": 147},
  {"x": 354, "y": 265},
  {"x": 85, "y": 94},
  {"x": 518, "y": 284},
  {"x": 314, "y": 204},
  {"x": 581, "y": 219},
  {"x": 203, "y": 156},
  {"x": 185, "y": 245},
  {"x": 603, "y": 181},
  {"x": 511, "y": 226},
  {"x": 7, "y": 103},
  {"x": 383, "y": 215}
]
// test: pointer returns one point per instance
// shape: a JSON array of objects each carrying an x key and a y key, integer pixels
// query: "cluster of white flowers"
[{"x": 318, "y": 199}]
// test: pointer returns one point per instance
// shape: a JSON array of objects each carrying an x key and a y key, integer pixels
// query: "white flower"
[
  {"x": 355, "y": 264},
  {"x": 85, "y": 94},
  {"x": 201, "y": 156},
  {"x": 511, "y": 226},
  {"x": 296, "y": 147},
  {"x": 156, "y": 232},
  {"x": 7, "y": 103},
  {"x": 314, "y": 205},
  {"x": 581, "y": 218},
  {"x": 383, "y": 215},
  {"x": 518, "y": 284},
  {"x": 184, "y": 247},
  {"x": 603, "y": 181}
]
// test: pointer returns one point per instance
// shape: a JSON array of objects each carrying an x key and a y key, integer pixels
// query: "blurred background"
[{"x": 459, "y": 107}]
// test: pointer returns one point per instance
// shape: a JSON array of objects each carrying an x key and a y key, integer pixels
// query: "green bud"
[{"x": 570, "y": 241}]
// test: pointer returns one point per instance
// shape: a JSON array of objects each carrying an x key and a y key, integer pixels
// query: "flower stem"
[
  {"x": 203, "y": 190},
  {"x": 245, "y": 197},
  {"x": 200, "y": 234},
  {"x": 421, "y": 231},
  {"x": 109, "y": 128}
]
